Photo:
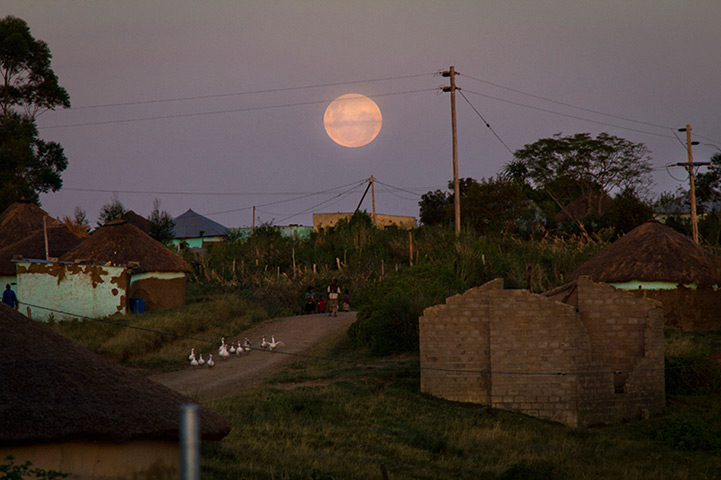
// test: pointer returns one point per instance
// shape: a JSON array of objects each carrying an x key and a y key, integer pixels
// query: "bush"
[
  {"x": 388, "y": 323},
  {"x": 687, "y": 432}
]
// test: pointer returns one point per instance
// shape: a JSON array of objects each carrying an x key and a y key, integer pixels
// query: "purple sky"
[{"x": 653, "y": 61}]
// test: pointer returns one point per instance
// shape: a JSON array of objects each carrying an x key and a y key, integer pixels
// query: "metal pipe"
[{"x": 189, "y": 442}]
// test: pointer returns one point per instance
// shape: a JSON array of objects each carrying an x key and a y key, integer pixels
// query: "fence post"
[{"x": 189, "y": 442}]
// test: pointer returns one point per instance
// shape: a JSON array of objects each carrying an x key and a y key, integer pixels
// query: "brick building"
[{"x": 583, "y": 354}]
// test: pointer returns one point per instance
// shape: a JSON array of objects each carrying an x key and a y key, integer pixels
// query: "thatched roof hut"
[
  {"x": 60, "y": 241},
  {"x": 139, "y": 221},
  {"x": 54, "y": 390},
  {"x": 120, "y": 243},
  {"x": 21, "y": 219},
  {"x": 653, "y": 252}
]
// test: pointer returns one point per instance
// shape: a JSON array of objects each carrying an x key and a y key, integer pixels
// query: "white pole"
[{"x": 189, "y": 442}]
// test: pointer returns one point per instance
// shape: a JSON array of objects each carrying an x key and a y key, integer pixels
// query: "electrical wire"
[
  {"x": 336, "y": 198},
  {"x": 382, "y": 365},
  {"x": 484, "y": 121},
  {"x": 250, "y": 92},
  {"x": 331, "y": 190},
  {"x": 575, "y": 117},
  {"x": 220, "y": 112}
]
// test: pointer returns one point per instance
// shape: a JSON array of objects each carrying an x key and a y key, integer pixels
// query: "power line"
[
  {"x": 330, "y": 190},
  {"x": 576, "y": 117},
  {"x": 219, "y": 112},
  {"x": 484, "y": 121},
  {"x": 251, "y": 92},
  {"x": 322, "y": 203}
]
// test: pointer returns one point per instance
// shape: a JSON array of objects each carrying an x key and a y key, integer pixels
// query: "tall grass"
[{"x": 344, "y": 421}]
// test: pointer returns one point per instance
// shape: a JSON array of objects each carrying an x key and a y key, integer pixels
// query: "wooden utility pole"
[
  {"x": 373, "y": 198},
  {"x": 253, "y": 227},
  {"x": 451, "y": 72},
  {"x": 694, "y": 224}
]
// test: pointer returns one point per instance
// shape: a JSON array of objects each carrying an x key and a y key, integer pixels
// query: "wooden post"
[
  {"x": 451, "y": 72},
  {"x": 373, "y": 197},
  {"x": 45, "y": 232},
  {"x": 293, "y": 261},
  {"x": 253, "y": 227},
  {"x": 410, "y": 245},
  {"x": 694, "y": 222}
]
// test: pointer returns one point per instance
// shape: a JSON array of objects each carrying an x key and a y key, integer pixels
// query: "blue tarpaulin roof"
[{"x": 194, "y": 225}]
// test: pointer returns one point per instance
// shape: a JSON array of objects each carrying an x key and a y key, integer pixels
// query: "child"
[
  {"x": 321, "y": 304},
  {"x": 310, "y": 301},
  {"x": 346, "y": 301}
]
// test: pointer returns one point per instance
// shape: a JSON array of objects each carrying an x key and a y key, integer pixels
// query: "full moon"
[{"x": 352, "y": 120}]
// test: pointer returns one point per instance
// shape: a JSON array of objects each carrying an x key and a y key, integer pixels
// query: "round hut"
[
  {"x": 20, "y": 220},
  {"x": 158, "y": 275},
  {"x": 64, "y": 408},
  {"x": 658, "y": 262}
]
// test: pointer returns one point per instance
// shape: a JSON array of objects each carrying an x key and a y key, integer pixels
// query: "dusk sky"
[{"x": 218, "y": 105}]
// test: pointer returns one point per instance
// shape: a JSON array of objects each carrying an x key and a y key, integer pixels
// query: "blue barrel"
[{"x": 137, "y": 305}]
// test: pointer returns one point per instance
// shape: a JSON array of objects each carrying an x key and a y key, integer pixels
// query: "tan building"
[
  {"x": 321, "y": 221},
  {"x": 583, "y": 354},
  {"x": 67, "y": 409}
]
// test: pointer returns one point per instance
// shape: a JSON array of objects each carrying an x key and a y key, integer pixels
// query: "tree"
[
  {"x": 28, "y": 88},
  {"x": 111, "y": 211},
  {"x": 434, "y": 207},
  {"x": 582, "y": 166},
  {"x": 163, "y": 228}
]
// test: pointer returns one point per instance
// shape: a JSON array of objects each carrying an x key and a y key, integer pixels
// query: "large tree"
[
  {"x": 573, "y": 166},
  {"x": 28, "y": 87}
]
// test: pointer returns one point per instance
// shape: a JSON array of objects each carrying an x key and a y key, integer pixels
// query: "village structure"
[
  {"x": 588, "y": 352},
  {"x": 322, "y": 221},
  {"x": 67, "y": 409}
]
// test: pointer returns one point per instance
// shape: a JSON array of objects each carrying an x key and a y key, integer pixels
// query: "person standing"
[
  {"x": 310, "y": 300},
  {"x": 333, "y": 294},
  {"x": 9, "y": 297}
]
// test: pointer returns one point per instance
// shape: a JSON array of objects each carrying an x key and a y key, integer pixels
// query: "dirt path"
[{"x": 239, "y": 373}]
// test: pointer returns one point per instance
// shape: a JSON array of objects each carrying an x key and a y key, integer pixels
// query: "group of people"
[{"x": 317, "y": 303}]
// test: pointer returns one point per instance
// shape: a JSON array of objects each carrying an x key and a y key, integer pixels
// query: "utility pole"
[
  {"x": 451, "y": 73},
  {"x": 373, "y": 197},
  {"x": 253, "y": 227},
  {"x": 692, "y": 188}
]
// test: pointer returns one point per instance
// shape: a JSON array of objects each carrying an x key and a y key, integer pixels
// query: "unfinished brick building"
[{"x": 583, "y": 354}]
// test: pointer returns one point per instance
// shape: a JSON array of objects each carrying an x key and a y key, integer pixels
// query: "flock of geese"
[{"x": 226, "y": 350}]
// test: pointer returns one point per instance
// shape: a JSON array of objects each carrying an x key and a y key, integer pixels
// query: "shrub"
[{"x": 687, "y": 432}]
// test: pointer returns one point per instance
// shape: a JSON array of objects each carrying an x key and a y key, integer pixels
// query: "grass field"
[{"x": 329, "y": 419}]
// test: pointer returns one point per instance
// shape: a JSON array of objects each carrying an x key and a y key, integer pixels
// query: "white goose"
[
  {"x": 192, "y": 354},
  {"x": 232, "y": 348},
  {"x": 222, "y": 344},
  {"x": 273, "y": 344},
  {"x": 210, "y": 362},
  {"x": 201, "y": 360},
  {"x": 193, "y": 361},
  {"x": 239, "y": 349},
  {"x": 223, "y": 353},
  {"x": 264, "y": 344}
]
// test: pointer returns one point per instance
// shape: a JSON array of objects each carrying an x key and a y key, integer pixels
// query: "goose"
[
  {"x": 239, "y": 349},
  {"x": 201, "y": 360},
  {"x": 222, "y": 344},
  {"x": 211, "y": 362},
  {"x": 247, "y": 348},
  {"x": 232, "y": 348},
  {"x": 264, "y": 344},
  {"x": 273, "y": 344},
  {"x": 224, "y": 352},
  {"x": 192, "y": 354},
  {"x": 193, "y": 362},
  {"x": 247, "y": 342}
]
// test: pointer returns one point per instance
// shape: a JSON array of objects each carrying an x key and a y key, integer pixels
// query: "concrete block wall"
[{"x": 595, "y": 357}]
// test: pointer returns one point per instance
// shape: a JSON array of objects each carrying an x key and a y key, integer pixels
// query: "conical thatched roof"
[
  {"x": 194, "y": 225},
  {"x": 120, "y": 243},
  {"x": 653, "y": 252},
  {"x": 53, "y": 390},
  {"x": 60, "y": 241},
  {"x": 20, "y": 220},
  {"x": 139, "y": 221}
]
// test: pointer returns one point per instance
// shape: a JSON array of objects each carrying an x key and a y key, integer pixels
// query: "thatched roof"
[
  {"x": 60, "y": 241},
  {"x": 195, "y": 225},
  {"x": 653, "y": 252},
  {"x": 139, "y": 221},
  {"x": 21, "y": 219},
  {"x": 54, "y": 390},
  {"x": 120, "y": 243}
]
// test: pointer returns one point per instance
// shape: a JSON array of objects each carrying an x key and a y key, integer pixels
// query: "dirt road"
[{"x": 239, "y": 373}]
